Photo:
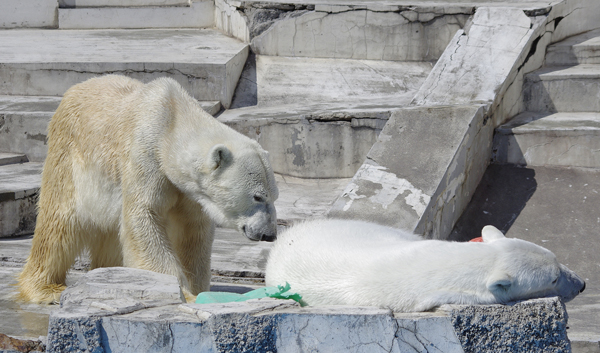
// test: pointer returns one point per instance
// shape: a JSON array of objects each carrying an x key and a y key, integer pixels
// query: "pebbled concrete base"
[{"x": 93, "y": 318}]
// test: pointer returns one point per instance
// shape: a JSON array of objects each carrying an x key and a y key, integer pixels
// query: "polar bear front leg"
[
  {"x": 146, "y": 244},
  {"x": 192, "y": 234}
]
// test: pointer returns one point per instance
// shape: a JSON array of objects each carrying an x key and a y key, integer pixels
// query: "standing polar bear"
[
  {"x": 358, "y": 263},
  {"x": 139, "y": 174}
]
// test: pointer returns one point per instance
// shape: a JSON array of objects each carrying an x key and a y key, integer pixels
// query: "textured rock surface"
[{"x": 263, "y": 325}]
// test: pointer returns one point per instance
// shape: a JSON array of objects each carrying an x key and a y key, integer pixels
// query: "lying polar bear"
[{"x": 359, "y": 263}]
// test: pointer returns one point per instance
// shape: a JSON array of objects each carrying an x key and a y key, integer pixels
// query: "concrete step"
[
  {"x": 24, "y": 123},
  {"x": 313, "y": 81},
  {"x": 563, "y": 89},
  {"x": 120, "y": 3},
  {"x": 541, "y": 139},
  {"x": 319, "y": 117},
  {"x": 198, "y": 14},
  {"x": 7, "y": 158},
  {"x": 556, "y": 208},
  {"x": 580, "y": 49},
  {"x": 48, "y": 62},
  {"x": 19, "y": 186}
]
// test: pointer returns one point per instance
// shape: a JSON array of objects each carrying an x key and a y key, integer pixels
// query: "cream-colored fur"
[
  {"x": 358, "y": 263},
  {"x": 139, "y": 174}
]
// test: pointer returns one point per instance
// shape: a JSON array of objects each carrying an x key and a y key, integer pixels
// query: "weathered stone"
[
  {"x": 266, "y": 324},
  {"x": 311, "y": 142},
  {"x": 538, "y": 325},
  {"x": 41, "y": 62},
  {"x": 478, "y": 59},
  {"x": 579, "y": 49},
  {"x": 198, "y": 14},
  {"x": 29, "y": 14},
  {"x": 563, "y": 89},
  {"x": 18, "y": 198},
  {"x": 12, "y": 344},
  {"x": 540, "y": 139},
  {"x": 360, "y": 33},
  {"x": 415, "y": 177},
  {"x": 121, "y": 288}
]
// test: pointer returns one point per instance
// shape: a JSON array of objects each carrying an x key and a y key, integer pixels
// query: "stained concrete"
[
  {"x": 197, "y": 15},
  {"x": 556, "y": 208},
  {"x": 542, "y": 139},
  {"x": 43, "y": 62},
  {"x": 106, "y": 316}
]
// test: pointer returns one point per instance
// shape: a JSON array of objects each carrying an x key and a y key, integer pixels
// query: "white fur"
[
  {"x": 358, "y": 263},
  {"x": 139, "y": 174}
]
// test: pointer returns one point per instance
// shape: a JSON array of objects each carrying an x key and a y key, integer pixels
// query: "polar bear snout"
[
  {"x": 570, "y": 284},
  {"x": 268, "y": 236}
]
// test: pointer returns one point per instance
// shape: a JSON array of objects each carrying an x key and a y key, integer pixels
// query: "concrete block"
[
  {"x": 478, "y": 59},
  {"x": 198, "y": 15},
  {"x": 537, "y": 325},
  {"x": 539, "y": 139},
  {"x": 563, "y": 89},
  {"x": 310, "y": 81},
  {"x": 231, "y": 21},
  {"x": 29, "y": 14},
  {"x": 106, "y": 287},
  {"x": 418, "y": 178},
  {"x": 263, "y": 325},
  {"x": 360, "y": 32},
  {"x": 324, "y": 142},
  {"x": 12, "y": 158},
  {"x": 121, "y": 3},
  {"x": 38, "y": 62},
  {"x": 576, "y": 16},
  {"x": 18, "y": 198},
  {"x": 580, "y": 49}
]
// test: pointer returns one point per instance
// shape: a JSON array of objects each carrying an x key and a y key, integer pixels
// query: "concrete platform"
[
  {"x": 126, "y": 310},
  {"x": 541, "y": 139},
  {"x": 48, "y": 62},
  {"x": 197, "y": 15},
  {"x": 18, "y": 197},
  {"x": 580, "y": 49},
  {"x": 556, "y": 208},
  {"x": 563, "y": 89}
]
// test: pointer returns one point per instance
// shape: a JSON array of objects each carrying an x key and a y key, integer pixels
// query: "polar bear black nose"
[
  {"x": 268, "y": 238},
  {"x": 582, "y": 288}
]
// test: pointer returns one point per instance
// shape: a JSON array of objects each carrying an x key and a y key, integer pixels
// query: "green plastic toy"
[{"x": 279, "y": 292}]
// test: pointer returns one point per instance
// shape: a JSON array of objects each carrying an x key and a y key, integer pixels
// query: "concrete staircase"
[
  {"x": 544, "y": 183},
  {"x": 143, "y": 39},
  {"x": 561, "y": 124}
]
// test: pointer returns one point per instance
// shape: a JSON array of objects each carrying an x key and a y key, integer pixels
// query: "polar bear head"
[
  {"x": 240, "y": 190},
  {"x": 525, "y": 270}
]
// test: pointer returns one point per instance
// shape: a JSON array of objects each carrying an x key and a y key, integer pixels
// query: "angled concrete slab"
[{"x": 415, "y": 176}]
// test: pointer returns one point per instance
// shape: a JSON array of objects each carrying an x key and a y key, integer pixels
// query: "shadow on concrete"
[
  {"x": 246, "y": 91},
  {"x": 498, "y": 200}
]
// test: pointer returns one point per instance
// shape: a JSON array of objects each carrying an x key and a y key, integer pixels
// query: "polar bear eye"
[
  {"x": 556, "y": 280},
  {"x": 259, "y": 198}
]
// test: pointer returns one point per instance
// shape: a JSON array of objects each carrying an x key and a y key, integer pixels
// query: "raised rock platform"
[{"x": 128, "y": 310}]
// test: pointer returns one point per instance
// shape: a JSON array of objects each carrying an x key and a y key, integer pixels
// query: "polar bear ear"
[
  {"x": 220, "y": 156},
  {"x": 491, "y": 233},
  {"x": 499, "y": 283}
]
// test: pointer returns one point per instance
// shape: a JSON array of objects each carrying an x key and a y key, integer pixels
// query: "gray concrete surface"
[
  {"x": 106, "y": 311},
  {"x": 563, "y": 89},
  {"x": 556, "y": 208},
  {"x": 543, "y": 139},
  {"x": 18, "y": 197},
  {"x": 47, "y": 62},
  {"x": 579, "y": 49},
  {"x": 197, "y": 15}
]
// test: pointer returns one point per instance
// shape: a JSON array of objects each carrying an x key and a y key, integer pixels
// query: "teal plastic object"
[{"x": 279, "y": 292}]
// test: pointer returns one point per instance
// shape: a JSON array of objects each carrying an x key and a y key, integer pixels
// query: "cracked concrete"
[
  {"x": 205, "y": 62},
  {"x": 266, "y": 324}
]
